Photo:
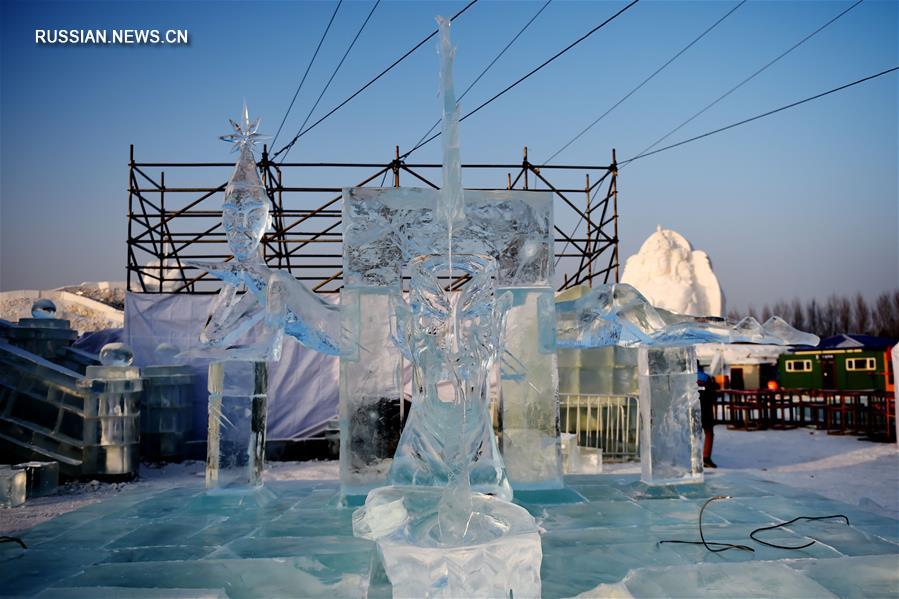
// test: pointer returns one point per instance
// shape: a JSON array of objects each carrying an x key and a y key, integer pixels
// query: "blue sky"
[{"x": 800, "y": 204}]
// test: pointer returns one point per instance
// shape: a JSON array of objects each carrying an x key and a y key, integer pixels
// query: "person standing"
[{"x": 707, "y": 387}]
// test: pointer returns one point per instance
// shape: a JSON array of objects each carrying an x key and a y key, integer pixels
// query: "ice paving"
[{"x": 313, "y": 385}]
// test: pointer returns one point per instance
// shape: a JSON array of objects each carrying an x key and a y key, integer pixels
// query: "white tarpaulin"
[{"x": 302, "y": 386}]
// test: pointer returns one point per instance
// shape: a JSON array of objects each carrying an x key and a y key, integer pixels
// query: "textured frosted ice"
[
  {"x": 274, "y": 299},
  {"x": 385, "y": 228},
  {"x": 116, "y": 354},
  {"x": 671, "y": 429},
  {"x": 235, "y": 452},
  {"x": 621, "y": 315},
  {"x": 452, "y": 339},
  {"x": 498, "y": 555}
]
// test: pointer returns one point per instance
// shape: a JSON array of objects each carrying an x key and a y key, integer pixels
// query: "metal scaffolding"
[{"x": 169, "y": 223}]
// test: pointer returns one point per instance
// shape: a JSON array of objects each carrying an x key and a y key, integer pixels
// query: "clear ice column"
[
  {"x": 529, "y": 391},
  {"x": 370, "y": 390},
  {"x": 671, "y": 427},
  {"x": 237, "y": 416}
]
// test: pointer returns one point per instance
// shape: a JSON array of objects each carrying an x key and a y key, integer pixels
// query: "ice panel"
[
  {"x": 13, "y": 487},
  {"x": 42, "y": 477},
  {"x": 235, "y": 451},
  {"x": 671, "y": 431},
  {"x": 871, "y": 576}
]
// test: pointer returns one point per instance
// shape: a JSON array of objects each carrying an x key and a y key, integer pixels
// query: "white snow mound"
[{"x": 674, "y": 276}]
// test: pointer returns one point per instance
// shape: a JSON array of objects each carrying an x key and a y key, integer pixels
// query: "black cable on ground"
[
  {"x": 719, "y": 547},
  {"x": 13, "y": 540},
  {"x": 782, "y": 524}
]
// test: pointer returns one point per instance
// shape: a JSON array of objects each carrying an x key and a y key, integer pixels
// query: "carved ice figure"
[
  {"x": 436, "y": 537},
  {"x": 452, "y": 339},
  {"x": 621, "y": 315},
  {"x": 274, "y": 301},
  {"x": 671, "y": 435}
]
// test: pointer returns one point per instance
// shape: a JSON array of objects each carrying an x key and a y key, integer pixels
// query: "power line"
[
  {"x": 367, "y": 85},
  {"x": 533, "y": 71},
  {"x": 644, "y": 82},
  {"x": 334, "y": 73},
  {"x": 484, "y": 72},
  {"x": 764, "y": 114},
  {"x": 309, "y": 66},
  {"x": 624, "y": 163},
  {"x": 751, "y": 77}
]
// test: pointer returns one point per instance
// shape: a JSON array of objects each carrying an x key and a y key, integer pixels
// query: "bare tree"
[
  {"x": 782, "y": 309},
  {"x": 829, "y": 316},
  {"x": 797, "y": 319},
  {"x": 766, "y": 313},
  {"x": 752, "y": 312},
  {"x": 733, "y": 315},
  {"x": 812, "y": 318},
  {"x": 884, "y": 320},
  {"x": 861, "y": 316},
  {"x": 844, "y": 315}
]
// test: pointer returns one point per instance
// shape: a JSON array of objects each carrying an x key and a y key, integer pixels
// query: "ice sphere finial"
[
  {"x": 116, "y": 354},
  {"x": 450, "y": 208},
  {"x": 166, "y": 354},
  {"x": 43, "y": 308}
]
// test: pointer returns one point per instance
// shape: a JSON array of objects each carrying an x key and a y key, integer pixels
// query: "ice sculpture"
[
  {"x": 166, "y": 413},
  {"x": 274, "y": 301},
  {"x": 671, "y": 434},
  {"x": 621, "y": 315},
  {"x": 385, "y": 228},
  {"x": 436, "y": 536},
  {"x": 43, "y": 308},
  {"x": 671, "y": 427},
  {"x": 452, "y": 340}
]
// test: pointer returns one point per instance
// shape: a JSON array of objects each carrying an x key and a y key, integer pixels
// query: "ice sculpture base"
[
  {"x": 235, "y": 446},
  {"x": 499, "y": 556},
  {"x": 671, "y": 429}
]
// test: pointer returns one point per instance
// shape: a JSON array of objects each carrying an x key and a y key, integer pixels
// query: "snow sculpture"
[
  {"x": 385, "y": 228},
  {"x": 274, "y": 301},
  {"x": 671, "y": 433},
  {"x": 674, "y": 276},
  {"x": 436, "y": 537}
]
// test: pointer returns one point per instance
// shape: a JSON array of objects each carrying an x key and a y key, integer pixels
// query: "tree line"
[{"x": 836, "y": 315}]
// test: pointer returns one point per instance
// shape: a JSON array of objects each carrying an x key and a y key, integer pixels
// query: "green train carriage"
[{"x": 849, "y": 362}]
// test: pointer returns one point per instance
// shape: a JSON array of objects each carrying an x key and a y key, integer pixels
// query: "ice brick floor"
[{"x": 601, "y": 538}]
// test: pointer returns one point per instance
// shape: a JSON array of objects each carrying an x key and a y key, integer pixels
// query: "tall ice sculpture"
[
  {"x": 385, "y": 229},
  {"x": 445, "y": 526},
  {"x": 245, "y": 328}
]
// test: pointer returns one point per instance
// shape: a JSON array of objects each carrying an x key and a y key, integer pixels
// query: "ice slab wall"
[
  {"x": 13, "y": 487},
  {"x": 385, "y": 228},
  {"x": 671, "y": 427},
  {"x": 235, "y": 450}
]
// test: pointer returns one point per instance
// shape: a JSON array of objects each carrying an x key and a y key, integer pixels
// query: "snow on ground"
[
  {"x": 860, "y": 473},
  {"x": 88, "y": 307}
]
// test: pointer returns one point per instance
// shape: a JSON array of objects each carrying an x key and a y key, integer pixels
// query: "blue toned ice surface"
[
  {"x": 297, "y": 541},
  {"x": 618, "y": 314}
]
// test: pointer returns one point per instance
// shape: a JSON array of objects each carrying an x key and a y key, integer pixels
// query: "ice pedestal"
[
  {"x": 499, "y": 554},
  {"x": 166, "y": 413},
  {"x": 235, "y": 452},
  {"x": 370, "y": 390},
  {"x": 671, "y": 428},
  {"x": 529, "y": 399},
  {"x": 12, "y": 487},
  {"x": 111, "y": 427},
  {"x": 42, "y": 478}
]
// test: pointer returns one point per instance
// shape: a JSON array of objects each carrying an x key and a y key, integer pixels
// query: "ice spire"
[
  {"x": 451, "y": 208},
  {"x": 245, "y": 185}
]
